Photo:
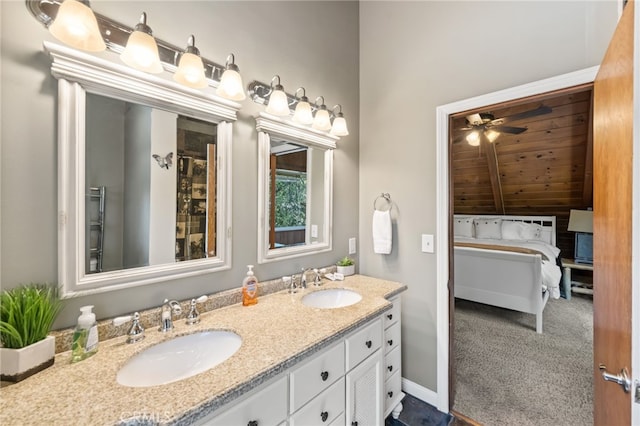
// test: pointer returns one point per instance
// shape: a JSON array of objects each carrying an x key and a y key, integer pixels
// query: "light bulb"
[
  {"x": 473, "y": 138},
  {"x": 491, "y": 135}
]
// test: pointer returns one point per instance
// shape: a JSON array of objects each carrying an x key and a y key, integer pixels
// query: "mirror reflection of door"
[
  {"x": 287, "y": 194},
  {"x": 150, "y": 186}
]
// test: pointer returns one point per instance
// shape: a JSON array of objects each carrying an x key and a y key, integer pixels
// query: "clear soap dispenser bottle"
[
  {"x": 85, "y": 337},
  {"x": 250, "y": 288}
]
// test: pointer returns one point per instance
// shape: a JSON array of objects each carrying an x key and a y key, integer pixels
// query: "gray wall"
[
  {"x": 415, "y": 56},
  {"x": 310, "y": 44}
]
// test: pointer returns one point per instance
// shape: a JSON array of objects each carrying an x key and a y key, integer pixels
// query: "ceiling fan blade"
[
  {"x": 474, "y": 119},
  {"x": 541, "y": 110},
  {"x": 509, "y": 129}
]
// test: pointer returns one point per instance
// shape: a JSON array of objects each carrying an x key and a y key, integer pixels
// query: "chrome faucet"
[
  {"x": 136, "y": 332},
  {"x": 193, "y": 317},
  {"x": 169, "y": 307}
]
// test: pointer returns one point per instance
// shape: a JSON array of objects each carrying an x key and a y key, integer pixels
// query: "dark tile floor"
[{"x": 419, "y": 413}]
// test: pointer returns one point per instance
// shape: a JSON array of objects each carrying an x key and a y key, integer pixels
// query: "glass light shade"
[
  {"x": 322, "y": 121},
  {"x": 473, "y": 139},
  {"x": 491, "y": 135},
  {"x": 141, "y": 53},
  {"x": 76, "y": 25},
  {"x": 303, "y": 113},
  {"x": 190, "y": 71},
  {"x": 339, "y": 127},
  {"x": 278, "y": 103},
  {"x": 231, "y": 86}
]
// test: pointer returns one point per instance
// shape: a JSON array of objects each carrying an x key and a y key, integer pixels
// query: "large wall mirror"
[
  {"x": 295, "y": 189},
  {"x": 144, "y": 176}
]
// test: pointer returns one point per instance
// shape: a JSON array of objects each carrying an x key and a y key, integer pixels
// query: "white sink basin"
[
  {"x": 179, "y": 358},
  {"x": 331, "y": 298}
]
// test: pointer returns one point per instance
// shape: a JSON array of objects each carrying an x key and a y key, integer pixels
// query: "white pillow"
[
  {"x": 512, "y": 230},
  {"x": 531, "y": 231},
  {"x": 463, "y": 227},
  {"x": 489, "y": 228}
]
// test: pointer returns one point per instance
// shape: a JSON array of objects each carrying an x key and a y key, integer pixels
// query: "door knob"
[{"x": 622, "y": 379}]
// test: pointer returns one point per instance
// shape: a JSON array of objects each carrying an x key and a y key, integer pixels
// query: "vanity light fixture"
[
  {"x": 339, "y": 127},
  {"x": 141, "y": 51},
  {"x": 321, "y": 121},
  {"x": 231, "y": 86},
  {"x": 76, "y": 25},
  {"x": 302, "y": 113},
  {"x": 473, "y": 138},
  {"x": 278, "y": 102},
  {"x": 190, "y": 70}
]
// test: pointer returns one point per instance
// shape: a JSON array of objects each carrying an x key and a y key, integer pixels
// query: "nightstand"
[{"x": 567, "y": 266}]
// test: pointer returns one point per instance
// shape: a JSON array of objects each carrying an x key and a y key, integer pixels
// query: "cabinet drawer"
[
  {"x": 316, "y": 375},
  {"x": 323, "y": 409},
  {"x": 267, "y": 407},
  {"x": 392, "y": 362},
  {"x": 392, "y": 388},
  {"x": 363, "y": 343},
  {"x": 392, "y": 316},
  {"x": 392, "y": 336}
]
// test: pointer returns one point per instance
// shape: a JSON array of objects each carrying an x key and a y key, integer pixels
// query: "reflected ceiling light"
[
  {"x": 491, "y": 135},
  {"x": 302, "y": 113},
  {"x": 141, "y": 51},
  {"x": 231, "y": 86},
  {"x": 339, "y": 127},
  {"x": 321, "y": 121},
  {"x": 278, "y": 102},
  {"x": 473, "y": 138},
  {"x": 190, "y": 70},
  {"x": 76, "y": 25}
]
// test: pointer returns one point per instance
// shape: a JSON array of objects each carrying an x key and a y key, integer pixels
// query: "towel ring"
[{"x": 386, "y": 197}]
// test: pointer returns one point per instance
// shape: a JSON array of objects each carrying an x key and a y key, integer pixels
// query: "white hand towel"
[{"x": 382, "y": 233}]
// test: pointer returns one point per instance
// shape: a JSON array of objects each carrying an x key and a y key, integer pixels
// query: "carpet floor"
[{"x": 507, "y": 374}]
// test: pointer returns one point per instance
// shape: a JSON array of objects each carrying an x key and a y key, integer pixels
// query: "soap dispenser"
[
  {"x": 250, "y": 288},
  {"x": 85, "y": 337}
]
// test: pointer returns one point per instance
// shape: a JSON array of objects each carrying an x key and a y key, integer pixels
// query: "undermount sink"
[
  {"x": 331, "y": 298},
  {"x": 179, "y": 358}
]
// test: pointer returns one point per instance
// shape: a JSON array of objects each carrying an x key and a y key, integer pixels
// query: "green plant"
[
  {"x": 27, "y": 314},
  {"x": 346, "y": 261}
]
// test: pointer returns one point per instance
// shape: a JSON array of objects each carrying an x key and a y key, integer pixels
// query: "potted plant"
[
  {"x": 346, "y": 266},
  {"x": 26, "y": 316}
]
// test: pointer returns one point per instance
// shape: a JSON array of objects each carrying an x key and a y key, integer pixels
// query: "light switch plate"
[
  {"x": 427, "y": 243},
  {"x": 352, "y": 246},
  {"x": 314, "y": 231}
]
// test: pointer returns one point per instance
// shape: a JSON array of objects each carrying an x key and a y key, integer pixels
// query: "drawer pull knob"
[
  {"x": 390, "y": 393},
  {"x": 390, "y": 316},
  {"x": 324, "y": 416},
  {"x": 390, "y": 368},
  {"x": 390, "y": 342},
  {"x": 324, "y": 375},
  {"x": 368, "y": 343},
  {"x": 354, "y": 423},
  {"x": 252, "y": 423}
]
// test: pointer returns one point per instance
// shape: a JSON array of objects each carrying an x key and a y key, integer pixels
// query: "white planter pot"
[
  {"x": 346, "y": 270},
  {"x": 18, "y": 364}
]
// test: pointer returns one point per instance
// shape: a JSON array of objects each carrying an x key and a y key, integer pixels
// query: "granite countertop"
[{"x": 276, "y": 334}]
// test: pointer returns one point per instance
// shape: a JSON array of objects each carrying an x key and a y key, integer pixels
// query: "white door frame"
[{"x": 442, "y": 199}]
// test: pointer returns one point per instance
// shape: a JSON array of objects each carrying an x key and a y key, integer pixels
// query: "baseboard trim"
[{"x": 420, "y": 392}]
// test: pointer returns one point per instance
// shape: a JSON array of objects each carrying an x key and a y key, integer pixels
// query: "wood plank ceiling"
[{"x": 546, "y": 170}]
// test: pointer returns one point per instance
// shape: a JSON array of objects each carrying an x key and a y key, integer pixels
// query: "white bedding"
[{"x": 551, "y": 272}]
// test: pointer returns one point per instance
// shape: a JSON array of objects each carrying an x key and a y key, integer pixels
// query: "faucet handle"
[
  {"x": 193, "y": 317},
  {"x": 317, "y": 279},
  {"x": 136, "y": 332}
]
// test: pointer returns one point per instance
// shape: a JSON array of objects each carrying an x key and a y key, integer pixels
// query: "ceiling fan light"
[
  {"x": 473, "y": 138},
  {"x": 491, "y": 135}
]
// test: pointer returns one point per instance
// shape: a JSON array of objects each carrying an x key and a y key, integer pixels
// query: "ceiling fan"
[{"x": 484, "y": 123}]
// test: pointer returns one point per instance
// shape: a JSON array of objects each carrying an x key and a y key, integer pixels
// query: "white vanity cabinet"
[{"x": 393, "y": 360}]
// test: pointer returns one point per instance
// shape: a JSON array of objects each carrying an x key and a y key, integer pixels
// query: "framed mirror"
[
  {"x": 295, "y": 189},
  {"x": 143, "y": 176}
]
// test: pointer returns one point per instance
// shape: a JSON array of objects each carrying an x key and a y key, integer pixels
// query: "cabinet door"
[
  {"x": 266, "y": 407},
  {"x": 364, "y": 392}
]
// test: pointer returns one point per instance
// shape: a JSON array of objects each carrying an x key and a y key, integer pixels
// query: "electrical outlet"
[
  {"x": 427, "y": 243},
  {"x": 352, "y": 246}
]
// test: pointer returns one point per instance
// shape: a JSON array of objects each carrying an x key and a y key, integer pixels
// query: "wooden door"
[{"x": 612, "y": 219}]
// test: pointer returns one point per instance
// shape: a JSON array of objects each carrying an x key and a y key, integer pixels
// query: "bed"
[{"x": 507, "y": 261}]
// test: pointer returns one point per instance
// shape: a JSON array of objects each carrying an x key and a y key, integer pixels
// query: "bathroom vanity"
[{"x": 296, "y": 365}]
